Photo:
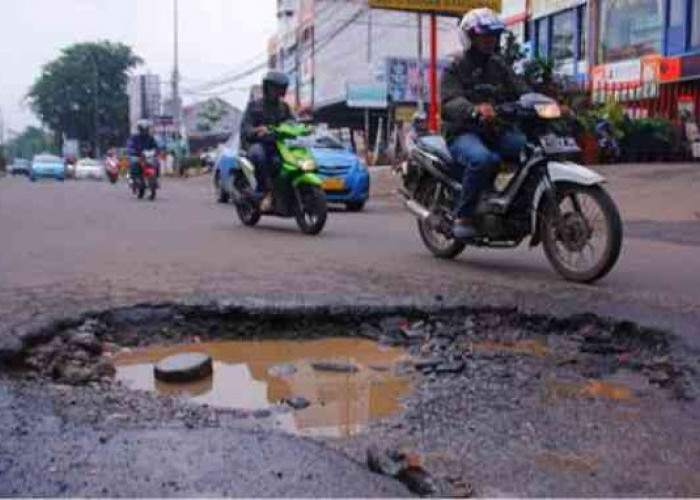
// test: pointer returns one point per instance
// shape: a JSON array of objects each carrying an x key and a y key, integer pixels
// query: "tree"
[
  {"x": 82, "y": 93},
  {"x": 30, "y": 142}
]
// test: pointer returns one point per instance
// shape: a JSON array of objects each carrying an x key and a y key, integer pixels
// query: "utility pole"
[
  {"x": 176, "y": 84},
  {"x": 2, "y": 129},
  {"x": 421, "y": 86}
]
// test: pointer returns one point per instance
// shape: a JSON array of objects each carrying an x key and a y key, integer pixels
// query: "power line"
[{"x": 328, "y": 12}]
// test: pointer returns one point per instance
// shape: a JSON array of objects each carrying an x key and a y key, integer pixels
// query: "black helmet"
[{"x": 276, "y": 78}]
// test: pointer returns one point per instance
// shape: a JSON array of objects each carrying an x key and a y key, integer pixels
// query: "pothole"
[
  {"x": 331, "y": 387},
  {"x": 288, "y": 363}
]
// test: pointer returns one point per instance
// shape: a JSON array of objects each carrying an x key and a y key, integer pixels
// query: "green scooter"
[{"x": 296, "y": 189}]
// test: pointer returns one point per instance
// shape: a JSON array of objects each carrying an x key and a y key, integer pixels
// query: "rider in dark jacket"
[
  {"x": 256, "y": 138},
  {"x": 463, "y": 108},
  {"x": 138, "y": 143}
]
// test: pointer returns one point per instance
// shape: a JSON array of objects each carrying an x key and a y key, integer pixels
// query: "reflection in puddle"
[{"x": 341, "y": 403}]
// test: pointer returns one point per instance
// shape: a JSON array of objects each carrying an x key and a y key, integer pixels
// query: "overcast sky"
[{"x": 217, "y": 37}]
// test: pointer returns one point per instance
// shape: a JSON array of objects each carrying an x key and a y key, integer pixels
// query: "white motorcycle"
[{"x": 544, "y": 196}]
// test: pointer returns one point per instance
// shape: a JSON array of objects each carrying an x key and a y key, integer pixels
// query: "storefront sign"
[
  {"x": 404, "y": 113},
  {"x": 370, "y": 95},
  {"x": 445, "y": 7},
  {"x": 627, "y": 80},
  {"x": 545, "y": 7},
  {"x": 670, "y": 70},
  {"x": 690, "y": 66}
]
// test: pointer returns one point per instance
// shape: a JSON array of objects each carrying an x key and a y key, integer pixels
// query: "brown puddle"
[
  {"x": 591, "y": 389},
  {"x": 537, "y": 347},
  {"x": 341, "y": 403}
]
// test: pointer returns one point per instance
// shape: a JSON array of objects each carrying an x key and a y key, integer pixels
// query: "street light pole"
[{"x": 176, "y": 84}]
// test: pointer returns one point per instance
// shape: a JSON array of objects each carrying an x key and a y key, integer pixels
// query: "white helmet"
[
  {"x": 481, "y": 21},
  {"x": 143, "y": 125}
]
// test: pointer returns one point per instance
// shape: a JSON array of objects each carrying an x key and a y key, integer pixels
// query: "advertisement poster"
[{"x": 403, "y": 81}]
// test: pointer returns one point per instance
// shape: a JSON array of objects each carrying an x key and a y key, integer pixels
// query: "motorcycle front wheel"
[
  {"x": 441, "y": 245},
  {"x": 312, "y": 214},
  {"x": 584, "y": 240}
]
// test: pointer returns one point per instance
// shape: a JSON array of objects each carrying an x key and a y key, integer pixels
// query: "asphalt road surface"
[
  {"x": 78, "y": 246},
  {"x": 90, "y": 245}
]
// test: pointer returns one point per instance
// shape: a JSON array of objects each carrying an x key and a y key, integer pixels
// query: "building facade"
[
  {"x": 645, "y": 53},
  {"x": 144, "y": 98},
  {"x": 351, "y": 65}
]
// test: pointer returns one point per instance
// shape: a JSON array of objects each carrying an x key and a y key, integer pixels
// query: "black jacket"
[
  {"x": 261, "y": 112},
  {"x": 458, "y": 96}
]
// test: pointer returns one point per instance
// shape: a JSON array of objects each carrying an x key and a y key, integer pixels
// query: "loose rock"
[
  {"x": 298, "y": 403},
  {"x": 336, "y": 367},
  {"x": 87, "y": 341},
  {"x": 283, "y": 370},
  {"x": 10, "y": 349},
  {"x": 453, "y": 367}
]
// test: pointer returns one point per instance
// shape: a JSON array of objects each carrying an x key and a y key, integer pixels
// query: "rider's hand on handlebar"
[
  {"x": 486, "y": 112},
  {"x": 261, "y": 131}
]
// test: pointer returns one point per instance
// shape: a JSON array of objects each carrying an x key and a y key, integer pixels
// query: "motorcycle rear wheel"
[
  {"x": 567, "y": 243},
  {"x": 439, "y": 244}
]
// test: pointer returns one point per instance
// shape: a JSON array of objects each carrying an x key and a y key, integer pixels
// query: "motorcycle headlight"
[
  {"x": 548, "y": 111},
  {"x": 307, "y": 165}
]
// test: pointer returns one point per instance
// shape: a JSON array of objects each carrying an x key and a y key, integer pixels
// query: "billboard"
[
  {"x": 444, "y": 7},
  {"x": 403, "y": 80}
]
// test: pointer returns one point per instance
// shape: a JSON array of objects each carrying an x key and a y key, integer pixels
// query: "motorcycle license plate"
[
  {"x": 333, "y": 184},
  {"x": 558, "y": 142}
]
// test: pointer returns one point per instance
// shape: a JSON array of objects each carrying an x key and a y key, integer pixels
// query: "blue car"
[
  {"x": 345, "y": 177},
  {"x": 47, "y": 166}
]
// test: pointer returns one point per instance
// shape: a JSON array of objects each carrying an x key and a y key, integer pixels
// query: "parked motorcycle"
[
  {"x": 296, "y": 189},
  {"x": 544, "y": 196},
  {"x": 148, "y": 180}
]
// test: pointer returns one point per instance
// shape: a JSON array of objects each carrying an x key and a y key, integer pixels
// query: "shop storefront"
[
  {"x": 648, "y": 55},
  {"x": 558, "y": 31}
]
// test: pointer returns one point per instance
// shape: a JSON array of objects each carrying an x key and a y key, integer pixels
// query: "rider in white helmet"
[{"x": 466, "y": 111}]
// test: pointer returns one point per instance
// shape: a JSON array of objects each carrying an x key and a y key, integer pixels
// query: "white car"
[{"x": 87, "y": 168}]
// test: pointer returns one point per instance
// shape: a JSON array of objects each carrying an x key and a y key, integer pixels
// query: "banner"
[{"x": 444, "y": 7}]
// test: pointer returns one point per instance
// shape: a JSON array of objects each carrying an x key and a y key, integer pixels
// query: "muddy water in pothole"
[{"x": 246, "y": 376}]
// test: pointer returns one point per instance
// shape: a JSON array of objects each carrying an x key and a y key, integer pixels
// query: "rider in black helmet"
[{"x": 260, "y": 114}]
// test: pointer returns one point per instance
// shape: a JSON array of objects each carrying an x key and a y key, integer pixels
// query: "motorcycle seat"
[{"x": 436, "y": 145}]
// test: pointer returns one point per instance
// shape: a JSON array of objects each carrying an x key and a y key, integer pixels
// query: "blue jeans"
[
  {"x": 263, "y": 155},
  {"x": 474, "y": 162}
]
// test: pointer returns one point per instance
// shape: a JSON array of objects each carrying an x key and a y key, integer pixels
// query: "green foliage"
[
  {"x": 512, "y": 51},
  {"x": 66, "y": 93},
  {"x": 649, "y": 139},
  {"x": 189, "y": 162},
  {"x": 30, "y": 142}
]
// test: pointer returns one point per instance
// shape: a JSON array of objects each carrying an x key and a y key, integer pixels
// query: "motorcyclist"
[
  {"x": 138, "y": 143},
  {"x": 464, "y": 111},
  {"x": 259, "y": 115}
]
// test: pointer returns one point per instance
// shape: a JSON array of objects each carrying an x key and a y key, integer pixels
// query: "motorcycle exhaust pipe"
[{"x": 417, "y": 209}]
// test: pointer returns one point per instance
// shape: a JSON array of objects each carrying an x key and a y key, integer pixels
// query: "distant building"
[
  {"x": 210, "y": 123},
  {"x": 144, "y": 98}
]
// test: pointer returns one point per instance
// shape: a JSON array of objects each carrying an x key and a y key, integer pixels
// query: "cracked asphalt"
[{"x": 84, "y": 246}]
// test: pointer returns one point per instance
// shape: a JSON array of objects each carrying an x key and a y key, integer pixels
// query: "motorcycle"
[
  {"x": 554, "y": 201},
  {"x": 296, "y": 189},
  {"x": 112, "y": 169},
  {"x": 148, "y": 180}
]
